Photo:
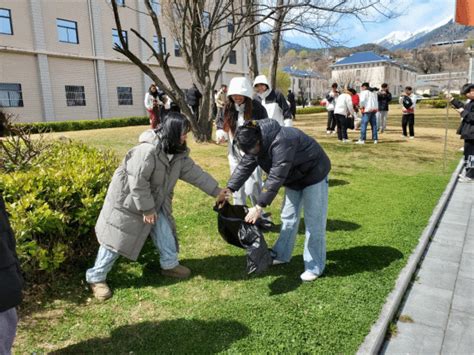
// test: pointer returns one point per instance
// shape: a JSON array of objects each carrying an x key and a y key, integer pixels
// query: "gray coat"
[{"x": 142, "y": 184}]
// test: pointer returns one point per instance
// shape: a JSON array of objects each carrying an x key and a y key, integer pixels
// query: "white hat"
[
  {"x": 240, "y": 86},
  {"x": 261, "y": 79}
]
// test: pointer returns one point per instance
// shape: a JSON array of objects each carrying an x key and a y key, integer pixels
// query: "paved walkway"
[{"x": 437, "y": 315}]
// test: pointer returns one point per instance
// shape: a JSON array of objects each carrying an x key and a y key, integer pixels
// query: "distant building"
[
  {"x": 57, "y": 60},
  {"x": 376, "y": 69},
  {"x": 433, "y": 84},
  {"x": 307, "y": 83}
]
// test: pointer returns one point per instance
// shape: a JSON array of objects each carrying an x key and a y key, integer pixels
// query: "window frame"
[
  {"x": 8, "y": 91},
  {"x": 230, "y": 25},
  {"x": 124, "y": 33},
  {"x": 76, "y": 102},
  {"x": 233, "y": 55},
  {"x": 10, "y": 20},
  {"x": 177, "y": 49},
  {"x": 128, "y": 100},
  {"x": 163, "y": 44},
  {"x": 206, "y": 19},
  {"x": 120, "y": 3},
  {"x": 67, "y": 30}
]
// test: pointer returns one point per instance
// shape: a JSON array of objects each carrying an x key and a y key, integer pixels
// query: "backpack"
[{"x": 407, "y": 102}]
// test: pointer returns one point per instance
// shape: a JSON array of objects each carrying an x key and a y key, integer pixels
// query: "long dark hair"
[
  {"x": 230, "y": 113},
  {"x": 171, "y": 131},
  {"x": 154, "y": 94}
]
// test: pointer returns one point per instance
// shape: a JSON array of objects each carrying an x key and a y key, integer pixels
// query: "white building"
[
  {"x": 433, "y": 84},
  {"x": 307, "y": 83},
  {"x": 375, "y": 69},
  {"x": 57, "y": 61}
]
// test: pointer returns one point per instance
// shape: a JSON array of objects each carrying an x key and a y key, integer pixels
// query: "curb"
[{"x": 374, "y": 340}]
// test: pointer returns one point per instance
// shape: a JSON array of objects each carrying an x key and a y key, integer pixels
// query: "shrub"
[
  {"x": 54, "y": 205},
  {"x": 311, "y": 109},
  {"x": 63, "y": 126},
  {"x": 432, "y": 103}
]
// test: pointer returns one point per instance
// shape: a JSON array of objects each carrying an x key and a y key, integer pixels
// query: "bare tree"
[{"x": 197, "y": 26}]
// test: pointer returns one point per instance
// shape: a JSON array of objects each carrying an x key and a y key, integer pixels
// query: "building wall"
[{"x": 35, "y": 58}]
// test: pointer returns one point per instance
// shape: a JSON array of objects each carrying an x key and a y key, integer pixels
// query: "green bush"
[
  {"x": 432, "y": 103},
  {"x": 54, "y": 205},
  {"x": 311, "y": 109},
  {"x": 63, "y": 126}
]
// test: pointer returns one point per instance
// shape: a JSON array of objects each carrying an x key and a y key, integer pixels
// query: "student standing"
[
  {"x": 343, "y": 108},
  {"x": 369, "y": 107},
  {"x": 408, "y": 102},
  {"x": 152, "y": 105},
  {"x": 384, "y": 97},
  {"x": 331, "y": 98},
  {"x": 292, "y": 100}
]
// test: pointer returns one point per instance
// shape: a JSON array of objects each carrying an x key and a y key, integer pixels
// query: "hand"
[
  {"x": 224, "y": 195},
  {"x": 150, "y": 218},
  {"x": 253, "y": 214},
  {"x": 460, "y": 110}
]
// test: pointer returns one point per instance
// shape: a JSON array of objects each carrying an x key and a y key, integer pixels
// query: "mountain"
[
  {"x": 446, "y": 30},
  {"x": 266, "y": 42}
]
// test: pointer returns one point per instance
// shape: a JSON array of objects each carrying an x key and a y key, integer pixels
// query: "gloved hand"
[{"x": 253, "y": 214}]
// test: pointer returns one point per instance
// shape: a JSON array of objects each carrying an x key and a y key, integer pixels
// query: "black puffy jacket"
[
  {"x": 193, "y": 96},
  {"x": 290, "y": 158},
  {"x": 466, "y": 129},
  {"x": 11, "y": 282},
  {"x": 258, "y": 113},
  {"x": 384, "y": 99}
]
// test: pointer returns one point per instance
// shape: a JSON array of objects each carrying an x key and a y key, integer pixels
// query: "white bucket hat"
[
  {"x": 240, "y": 86},
  {"x": 261, "y": 79}
]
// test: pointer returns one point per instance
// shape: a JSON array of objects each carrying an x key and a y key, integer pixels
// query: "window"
[
  {"x": 357, "y": 72},
  {"x": 163, "y": 44},
  {"x": 155, "y": 5},
  {"x": 230, "y": 25},
  {"x": 124, "y": 95},
  {"x": 120, "y": 3},
  {"x": 206, "y": 19},
  {"x": 67, "y": 31},
  {"x": 75, "y": 95},
  {"x": 6, "y": 26},
  {"x": 10, "y": 95},
  {"x": 116, "y": 38},
  {"x": 177, "y": 49},
  {"x": 233, "y": 57}
]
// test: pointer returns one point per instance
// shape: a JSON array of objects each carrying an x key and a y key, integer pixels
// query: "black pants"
[
  {"x": 331, "y": 121},
  {"x": 469, "y": 157},
  {"x": 341, "y": 122},
  {"x": 408, "y": 119}
]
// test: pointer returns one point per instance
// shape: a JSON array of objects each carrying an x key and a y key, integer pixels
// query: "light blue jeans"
[
  {"x": 366, "y": 118},
  {"x": 314, "y": 200},
  {"x": 163, "y": 239}
]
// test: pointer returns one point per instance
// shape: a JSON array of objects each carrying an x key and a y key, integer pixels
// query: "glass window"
[
  {"x": 75, "y": 95},
  {"x": 116, "y": 38},
  {"x": 124, "y": 95},
  {"x": 163, "y": 44},
  {"x": 6, "y": 26},
  {"x": 233, "y": 57},
  {"x": 120, "y": 2},
  {"x": 10, "y": 95},
  {"x": 155, "y": 5},
  {"x": 67, "y": 31},
  {"x": 177, "y": 49},
  {"x": 206, "y": 19},
  {"x": 230, "y": 25}
]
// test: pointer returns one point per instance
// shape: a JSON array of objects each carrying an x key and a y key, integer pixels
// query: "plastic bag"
[{"x": 235, "y": 231}]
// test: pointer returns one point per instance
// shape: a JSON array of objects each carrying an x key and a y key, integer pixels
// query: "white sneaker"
[
  {"x": 412, "y": 137},
  {"x": 360, "y": 142},
  {"x": 277, "y": 262},
  {"x": 463, "y": 178},
  {"x": 308, "y": 276},
  {"x": 403, "y": 136},
  {"x": 346, "y": 141},
  {"x": 376, "y": 141},
  {"x": 328, "y": 132}
]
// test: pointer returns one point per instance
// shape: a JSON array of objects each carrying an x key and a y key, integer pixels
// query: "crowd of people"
[{"x": 348, "y": 109}]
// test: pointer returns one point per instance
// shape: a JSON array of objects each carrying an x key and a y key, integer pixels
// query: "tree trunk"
[
  {"x": 253, "y": 50},
  {"x": 279, "y": 18},
  {"x": 204, "y": 132}
]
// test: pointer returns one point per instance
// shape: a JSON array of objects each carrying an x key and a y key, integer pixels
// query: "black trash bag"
[{"x": 235, "y": 231}]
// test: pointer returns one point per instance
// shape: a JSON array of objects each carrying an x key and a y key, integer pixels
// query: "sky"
[{"x": 415, "y": 15}]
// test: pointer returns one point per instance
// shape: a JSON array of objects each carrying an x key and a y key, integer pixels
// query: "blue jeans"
[
  {"x": 366, "y": 118},
  {"x": 163, "y": 239},
  {"x": 314, "y": 200}
]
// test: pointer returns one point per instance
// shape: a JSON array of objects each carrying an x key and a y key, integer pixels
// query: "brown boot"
[
  {"x": 179, "y": 272},
  {"x": 101, "y": 291}
]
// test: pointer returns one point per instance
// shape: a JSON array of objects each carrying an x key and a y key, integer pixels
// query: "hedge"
[
  {"x": 63, "y": 126},
  {"x": 310, "y": 109},
  {"x": 436, "y": 103},
  {"x": 54, "y": 206}
]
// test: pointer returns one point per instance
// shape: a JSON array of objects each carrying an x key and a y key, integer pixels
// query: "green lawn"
[{"x": 381, "y": 197}]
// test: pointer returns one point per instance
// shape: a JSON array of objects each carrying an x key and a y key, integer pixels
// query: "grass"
[{"x": 381, "y": 197}]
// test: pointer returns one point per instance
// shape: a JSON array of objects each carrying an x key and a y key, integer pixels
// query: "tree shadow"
[
  {"x": 178, "y": 336},
  {"x": 337, "y": 182},
  {"x": 333, "y": 225}
]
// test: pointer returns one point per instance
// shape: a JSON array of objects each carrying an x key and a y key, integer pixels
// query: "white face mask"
[{"x": 240, "y": 108}]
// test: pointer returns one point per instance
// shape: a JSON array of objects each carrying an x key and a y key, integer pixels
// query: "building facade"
[
  {"x": 306, "y": 83},
  {"x": 375, "y": 69},
  {"x": 433, "y": 84},
  {"x": 57, "y": 60}
]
